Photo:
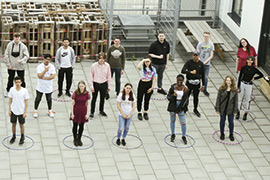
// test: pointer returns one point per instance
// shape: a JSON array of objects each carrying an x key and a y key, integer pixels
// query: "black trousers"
[
  {"x": 48, "y": 98},
  {"x": 11, "y": 75},
  {"x": 196, "y": 90},
  {"x": 102, "y": 88},
  {"x": 142, "y": 91},
  {"x": 69, "y": 75}
]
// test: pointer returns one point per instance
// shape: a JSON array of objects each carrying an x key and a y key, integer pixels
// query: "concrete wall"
[{"x": 251, "y": 20}]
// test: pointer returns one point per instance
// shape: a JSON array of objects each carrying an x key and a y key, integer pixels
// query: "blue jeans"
[
  {"x": 222, "y": 122},
  {"x": 117, "y": 78},
  {"x": 182, "y": 118},
  {"x": 123, "y": 125},
  {"x": 206, "y": 73}
]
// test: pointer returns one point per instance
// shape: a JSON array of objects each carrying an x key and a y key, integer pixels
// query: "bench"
[{"x": 184, "y": 40}]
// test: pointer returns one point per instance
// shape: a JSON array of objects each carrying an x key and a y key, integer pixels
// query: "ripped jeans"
[
  {"x": 123, "y": 125},
  {"x": 182, "y": 118}
]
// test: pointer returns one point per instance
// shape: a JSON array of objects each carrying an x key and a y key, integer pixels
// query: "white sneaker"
[
  {"x": 35, "y": 115},
  {"x": 51, "y": 114},
  {"x": 6, "y": 94}
]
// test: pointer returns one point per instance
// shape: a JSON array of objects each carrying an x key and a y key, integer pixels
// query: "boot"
[
  {"x": 172, "y": 137},
  {"x": 75, "y": 140},
  {"x": 80, "y": 140},
  {"x": 237, "y": 115},
  {"x": 245, "y": 116},
  {"x": 184, "y": 139}
]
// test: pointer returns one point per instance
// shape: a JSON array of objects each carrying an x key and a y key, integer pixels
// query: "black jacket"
[
  {"x": 190, "y": 65},
  {"x": 172, "y": 101}
]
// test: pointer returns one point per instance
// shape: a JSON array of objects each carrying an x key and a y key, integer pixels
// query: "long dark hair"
[
  {"x": 150, "y": 65},
  {"x": 131, "y": 98},
  {"x": 78, "y": 89},
  {"x": 248, "y": 45}
]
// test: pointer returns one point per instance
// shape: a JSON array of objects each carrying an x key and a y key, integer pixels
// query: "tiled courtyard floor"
[{"x": 50, "y": 159}]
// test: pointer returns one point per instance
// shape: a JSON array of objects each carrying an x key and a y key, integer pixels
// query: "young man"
[
  {"x": 159, "y": 51},
  {"x": 64, "y": 62},
  {"x": 194, "y": 70},
  {"x": 206, "y": 50},
  {"x": 116, "y": 58},
  {"x": 46, "y": 73},
  {"x": 16, "y": 56},
  {"x": 18, "y": 103},
  {"x": 100, "y": 81}
]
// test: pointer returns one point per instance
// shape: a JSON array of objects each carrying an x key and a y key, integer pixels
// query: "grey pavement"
[{"x": 207, "y": 159}]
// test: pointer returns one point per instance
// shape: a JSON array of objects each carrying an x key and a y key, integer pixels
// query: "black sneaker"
[
  {"x": 102, "y": 113},
  {"x": 222, "y": 136},
  {"x": 21, "y": 141},
  {"x": 140, "y": 116},
  {"x": 123, "y": 142},
  {"x": 172, "y": 137},
  {"x": 206, "y": 93},
  {"x": 231, "y": 137},
  {"x": 145, "y": 116},
  {"x": 68, "y": 94},
  {"x": 161, "y": 91},
  {"x": 118, "y": 142},
  {"x": 12, "y": 140},
  {"x": 237, "y": 115},
  {"x": 245, "y": 116},
  {"x": 184, "y": 139},
  {"x": 107, "y": 96},
  {"x": 196, "y": 112},
  {"x": 59, "y": 94},
  {"x": 91, "y": 115}
]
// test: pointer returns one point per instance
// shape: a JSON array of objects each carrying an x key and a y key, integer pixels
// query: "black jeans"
[
  {"x": 117, "y": 78},
  {"x": 142, "y": 91},
  {"x": 160, "y": 70},
  {"x": 69, "y": 75},
  {"x": 102, "y": 88},
  {"x": 196, "y": 90},
  {"x": 11, "y": 75},
  {"x": 48, "y": 98}
]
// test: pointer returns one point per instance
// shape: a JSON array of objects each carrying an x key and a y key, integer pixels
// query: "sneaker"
[
  {"x": 245, "y": 116},
  {"x": 118, "y": 142},
  {"x": 206, "y": 93},
  {"x": 231, "y": 137},
  {"x": 91, "y": 115},
  {"x": 196, "y": 112},
  {"x": 6, "y": 94},
  {"x": 68, "y": 94},
  {"x": 140, "y": 116},
  {"x": 237, "y": 115},
  {"x": 59, "y": 94},
  {"x": 161, "y": 91},
  {"x": 172, "y": 137},
  {"x": 145, "y": 116},
  {"x": 102, "y": 113},
  {"x": 51, "y": 114},
  {"x": 123, "y": 142},
  {"x": 222, "y": 136},
  {"x": 21, "y": 141},
  {"x": 12, "y": 140},
  {"x": 184, "y": 139},
  {"x": 35, "y": 115},
  {"x": 107, "y": 96}
]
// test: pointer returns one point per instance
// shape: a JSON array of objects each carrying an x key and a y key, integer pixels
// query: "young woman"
[
  {"x": 245, "y": 82},
  {"x": 146, "y": 85},
  {"x": 244, "y": 50},
  {"x": 227, "y": 104},
  {"x": 79, "y": 111},
  {"x": 126, "y": 104},
  {"x": 178, "y": 104}
]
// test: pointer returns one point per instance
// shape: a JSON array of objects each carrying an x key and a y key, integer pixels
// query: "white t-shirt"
[
  {"x": 45, "y": 86},
  {"x": 18, "y": 100},
  {"x": 65, "y": 58},
  {"x": 125, "y": 105}
]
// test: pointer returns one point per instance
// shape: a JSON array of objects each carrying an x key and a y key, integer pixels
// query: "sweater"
[
  {"x": 189, "y": 66},
  {"x": 116, "y": 57},
  {"x": 58, "y": 57},
  {"x": 247, "y": 73},
  {"x": 158, "y": 48}
]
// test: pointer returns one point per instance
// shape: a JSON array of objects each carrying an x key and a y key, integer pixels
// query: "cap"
[{"x": 196, "y": 52}]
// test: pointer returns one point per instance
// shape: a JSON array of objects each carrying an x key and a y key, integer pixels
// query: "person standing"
[
  {"x": 206, "y": 50},
  {"x": 18, "y": 103},
  {"x": 116, "y": 58},
  {"x": 79, "y": 111},
  {"x": 159, "y": 52},
  {"x": 64, "y": 62},
  {"x": 145, "y": 86},
  {"x": 16, "y": 56},
  {"x": 46, "y": 74},
  {"x": 99, "y": 81},
  {"x": 126, "y": 104},
  {"x": 245, "y": 82},
  {"x": 227, "y": 104},
  {"x": 178, "y": 104},
  {"x": 194, "y": 70}
]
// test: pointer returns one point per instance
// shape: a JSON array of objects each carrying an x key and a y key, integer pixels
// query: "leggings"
[
  {"x": 75, "y": 129},
  {"x": 142, "y": 91},
  {"x": 48, "y": 98}
]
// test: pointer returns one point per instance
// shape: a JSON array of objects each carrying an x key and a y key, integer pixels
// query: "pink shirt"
[
  {"x": 243, "y": 55},
  {"x": 100, "y": 74}
]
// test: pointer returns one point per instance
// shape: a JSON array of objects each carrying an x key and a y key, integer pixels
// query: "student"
[
  {"x": 226, "y": 105},
  {"x": 16, "y": 56},
  {"x": 145, "y": 86},
  {"x": 46, "y": 74},
  {"x": 126, "y": 104},
  {"x": 18, "y": 103},
  {"x": 159, "y": 52},
  {"x": 64, "y": 62},
  {"x": 245, "y": 83},
  {"x": 178, "y": 104},
  {"x": 79, "y": 111}
]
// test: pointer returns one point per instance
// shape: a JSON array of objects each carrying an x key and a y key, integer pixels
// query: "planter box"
[{"x": 265, "y": 87}]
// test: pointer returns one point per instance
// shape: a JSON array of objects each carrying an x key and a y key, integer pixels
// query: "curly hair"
[{"x": 224, "y": 84}]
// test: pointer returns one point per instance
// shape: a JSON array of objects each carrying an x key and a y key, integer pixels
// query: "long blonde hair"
[{"x": 224, "y": 84}]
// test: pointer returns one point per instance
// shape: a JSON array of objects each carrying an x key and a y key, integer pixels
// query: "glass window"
[{"x": 236, "y": 12}]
